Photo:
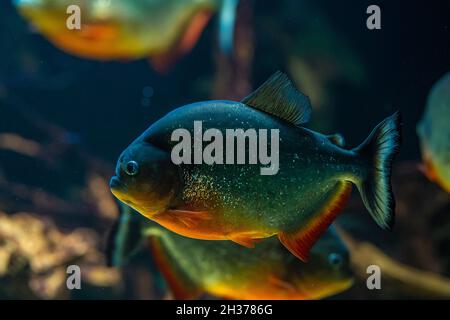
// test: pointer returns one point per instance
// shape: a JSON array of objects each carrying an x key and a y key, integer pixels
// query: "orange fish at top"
[{"x": 162, "y": 30}]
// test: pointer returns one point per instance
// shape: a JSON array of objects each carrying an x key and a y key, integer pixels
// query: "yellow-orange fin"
[
  {"x": 429, "y": 169},
  {"x": 244, "y": 241},
  {"x": 187, "y": 41},
  {"x": 281, "y": 284},
  {"x": 300, "y": 242},
  {"x": 194, "y": 30},
  {"x": 188, "y": 218},
  {"x": 99, "y": 31}
]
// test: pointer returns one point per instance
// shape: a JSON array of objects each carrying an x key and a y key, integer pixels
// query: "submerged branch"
[{"x": 395, "y": 275}]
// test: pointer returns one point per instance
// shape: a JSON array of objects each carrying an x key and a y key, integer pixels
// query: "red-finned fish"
[
  {"x": 434, "y": 134},
  {"x": 224, "y": 269},
  {"x": 235, "y": 202},
  {"x": 130, "y": 29}
]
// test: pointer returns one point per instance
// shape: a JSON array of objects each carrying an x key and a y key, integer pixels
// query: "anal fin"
[
  {"x": 300, "y": 242},
  {"x": 244, "y": 241}
]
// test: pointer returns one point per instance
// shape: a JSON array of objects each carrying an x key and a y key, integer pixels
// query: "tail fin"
[{"x": 378, "y": 150}]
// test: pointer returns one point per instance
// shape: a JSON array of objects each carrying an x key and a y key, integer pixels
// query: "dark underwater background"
[{"x": 81, "y": 114}]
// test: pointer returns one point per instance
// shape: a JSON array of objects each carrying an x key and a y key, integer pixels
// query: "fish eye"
[
  {"x": 335, "y": 259},
  {"x": 132, "y": 168}
]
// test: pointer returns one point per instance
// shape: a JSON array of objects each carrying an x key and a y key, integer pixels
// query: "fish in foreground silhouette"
[
  {"x": 434, "y": 134},
  {"x": 130, "y": 29},
  {"x": 224, "y": 269},
  {"x": 235, "y": 202}
]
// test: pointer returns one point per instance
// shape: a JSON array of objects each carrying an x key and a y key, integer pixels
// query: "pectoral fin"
[
  {"x": 281, "y": 284},
  {"x": 188, "y": 218},
  {"x": 101, "y": 31},
  {"x": 300, "y": 242}
]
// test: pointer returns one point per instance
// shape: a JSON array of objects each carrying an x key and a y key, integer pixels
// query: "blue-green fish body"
[{"x": 237, "y": 202}]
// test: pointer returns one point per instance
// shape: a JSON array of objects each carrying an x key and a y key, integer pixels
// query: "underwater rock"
[{"x": 34, "y": 255}]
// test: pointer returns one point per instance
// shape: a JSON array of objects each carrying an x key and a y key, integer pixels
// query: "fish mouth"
[
  {"x": 324, "y": 289},
  {"x": 336, "y": 288},
  {"x": 120, "y": 190},
  {"x": 116, "y": 185}
]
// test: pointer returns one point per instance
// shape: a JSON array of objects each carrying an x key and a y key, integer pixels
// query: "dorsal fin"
[{"x": 279, "y": 97}]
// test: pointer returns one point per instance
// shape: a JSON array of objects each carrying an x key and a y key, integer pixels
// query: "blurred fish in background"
[
  {"x": 162, "y": 30},
  {"x": 223, "y": 269},
  {"x": 434, "y": 134}
]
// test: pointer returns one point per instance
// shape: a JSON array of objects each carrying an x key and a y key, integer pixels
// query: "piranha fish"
[
  {"x": 130, "y": 29},
  {"x": 193, "y": 267},
  {"x": 434, "y": 134},
  {"x": 236, "y": 202}
]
